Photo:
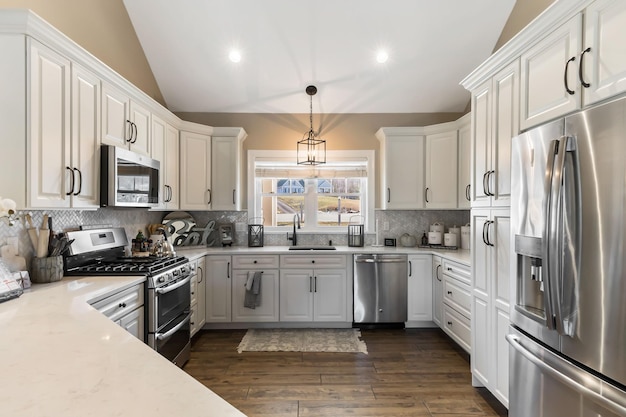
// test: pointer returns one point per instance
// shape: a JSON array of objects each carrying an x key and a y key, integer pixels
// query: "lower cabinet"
[
  {"x": 126, "y": 308},
  {"x": 267, "y": 308},
  {"x": 218, "y": 289},
  {"x": 437, "y": 292},
  {"x": 419, "y": 288},
  {"x": 198, "y": 295}
]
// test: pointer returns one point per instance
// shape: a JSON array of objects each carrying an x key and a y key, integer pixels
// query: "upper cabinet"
[
  {"x": 495, "y": 121},
  {"x": 195, "y": 170},
  {"x": 401, "y": 168},
  {"x": 226, "y": 155},
  {"x": 165, "y": 148},
  {"x": 441, "y": 170},
  {"x": 464, "y": 187},
  {"x": 578, "y": 64},
  {"x": 125, "y": 123}
]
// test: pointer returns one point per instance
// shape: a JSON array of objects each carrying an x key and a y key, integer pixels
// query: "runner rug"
[{"x": 302, "y": 340}]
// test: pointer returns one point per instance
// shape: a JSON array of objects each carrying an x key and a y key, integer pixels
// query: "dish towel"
[{"x": 252, "y": 297}]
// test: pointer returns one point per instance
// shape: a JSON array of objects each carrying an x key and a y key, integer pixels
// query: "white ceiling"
[{"x": 289, "y": 44}]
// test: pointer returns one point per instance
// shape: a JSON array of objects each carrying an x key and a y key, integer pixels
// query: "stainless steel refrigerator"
[{"x": 568, "y": 315}]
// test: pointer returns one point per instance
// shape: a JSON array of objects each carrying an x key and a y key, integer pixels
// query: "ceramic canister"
[
  {"x": 449, "y": 239},
  {"x": 437, "y": 227},
  {"x": 434, "y": 238},
  {"x": 457, "y": 231},
  {"x": 465, "y": 236}
]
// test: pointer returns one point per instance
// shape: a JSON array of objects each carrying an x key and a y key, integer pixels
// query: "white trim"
[{"x": 331, "y": 156}]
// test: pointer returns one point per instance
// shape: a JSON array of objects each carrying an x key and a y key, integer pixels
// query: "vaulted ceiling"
[{"x": 286, "y": 45}]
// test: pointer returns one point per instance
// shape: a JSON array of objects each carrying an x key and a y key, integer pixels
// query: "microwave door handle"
[
  {"x": 169, "y": 333},
  {"x": 179, "y": 284},
  {"x": 548, "y": 235}
]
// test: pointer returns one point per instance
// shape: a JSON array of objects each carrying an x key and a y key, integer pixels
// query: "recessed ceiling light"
[
  {"x": 382, "y": 57},
  {"x": 234, "y": 56}
]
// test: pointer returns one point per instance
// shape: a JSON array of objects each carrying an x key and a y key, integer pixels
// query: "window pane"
[
  {"x": 338, "y": 210},
  {"x": 287, "y": 207},
  {"x": 290, "y": 186}
]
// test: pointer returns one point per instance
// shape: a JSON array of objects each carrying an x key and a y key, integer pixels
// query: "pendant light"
[{"x": 311, "y": 149}]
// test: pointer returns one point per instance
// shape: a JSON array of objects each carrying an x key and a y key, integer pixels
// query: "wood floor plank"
[
  {"x": 267, "y": 408},
  {"x": 454, "y": 406},
  {"x": 265, "y": 379},
  {"x": 306, "y": 392},
  {"x": 363, "y": 408}
]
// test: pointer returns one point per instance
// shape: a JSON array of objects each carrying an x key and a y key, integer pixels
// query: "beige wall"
[
  {"x": 104, "y": 29},
  {"x": 524, "y": 12}
]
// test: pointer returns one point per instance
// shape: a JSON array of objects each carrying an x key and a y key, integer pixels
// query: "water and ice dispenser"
[{"x": 529, "y": 280}]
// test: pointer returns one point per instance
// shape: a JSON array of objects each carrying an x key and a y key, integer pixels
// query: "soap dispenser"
[{"x": 424, "y": 239}]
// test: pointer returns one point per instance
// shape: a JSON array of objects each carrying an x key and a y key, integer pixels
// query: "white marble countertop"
[
  {"x": 460, "y": 255},
  {"x": 61, "y": 357}
]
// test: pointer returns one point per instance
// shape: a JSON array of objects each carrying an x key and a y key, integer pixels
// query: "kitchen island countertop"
[{"x": 61, "y": 357}]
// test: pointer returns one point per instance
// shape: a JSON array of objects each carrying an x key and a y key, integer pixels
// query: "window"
[{"x": 326, "y": 198}]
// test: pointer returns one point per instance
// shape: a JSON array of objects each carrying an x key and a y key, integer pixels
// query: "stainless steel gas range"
[{"x": 101, "y": 252}]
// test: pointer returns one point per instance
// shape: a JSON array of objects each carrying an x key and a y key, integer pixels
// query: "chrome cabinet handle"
[
  {"x": 570, "y": 92},
  {"x": 580, "y": 68},
  {"x": 71, "y": 181}
]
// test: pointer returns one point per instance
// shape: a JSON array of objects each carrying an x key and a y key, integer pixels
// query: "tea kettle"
[
  {"x": 164, "y": 247},
  {"x": 407, "y": 240}
]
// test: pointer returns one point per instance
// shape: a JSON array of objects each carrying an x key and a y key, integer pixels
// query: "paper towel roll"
[{"x": 465, "y": 236}]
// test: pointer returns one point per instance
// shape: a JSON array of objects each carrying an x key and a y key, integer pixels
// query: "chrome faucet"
[{"x": 294, "y": 236}]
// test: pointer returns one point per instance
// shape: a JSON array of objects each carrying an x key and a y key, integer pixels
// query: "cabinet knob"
[
  {"x": 254, "y": 261},
  {"x": 449, "y": 293},
  {"x": 449, "y": 323},
  {"x": 122, "y": 305},
  {"x": 313, "y": 261},
  {"x": 449, "y": 269},
  {"x": 380, "y": 310}
]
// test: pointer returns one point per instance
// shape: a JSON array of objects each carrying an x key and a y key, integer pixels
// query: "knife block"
[{"x": 44, "y": 270}]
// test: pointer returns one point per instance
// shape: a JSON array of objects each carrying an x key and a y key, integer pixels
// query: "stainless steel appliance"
[
  {"x": 568, "y": 315},
  {"x": 380, "y": 287},
  {"x": 168, "y": 285},
  {"x": 128, "y": 179}
]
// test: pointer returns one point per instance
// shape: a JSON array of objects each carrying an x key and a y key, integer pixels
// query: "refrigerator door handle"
[{"x": 605, "y": 402}]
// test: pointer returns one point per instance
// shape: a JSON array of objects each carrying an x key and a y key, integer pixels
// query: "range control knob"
[{"x": 161, "y": 279}]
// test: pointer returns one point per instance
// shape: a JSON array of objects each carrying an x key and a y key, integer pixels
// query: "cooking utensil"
[
  {"x": 32, "y": 231},
  {"x": 50, "y": 234},
  {"x": 44, "y": 236}
]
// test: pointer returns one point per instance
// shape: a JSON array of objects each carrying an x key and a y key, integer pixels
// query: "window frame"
[{"x": 332, "y": 157}]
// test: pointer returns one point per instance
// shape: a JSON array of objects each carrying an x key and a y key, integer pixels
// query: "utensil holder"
[
  {"x": 44, "y": 270},
  {"x": 356, "y": 234},
  {"x": 255, "y": 233}
]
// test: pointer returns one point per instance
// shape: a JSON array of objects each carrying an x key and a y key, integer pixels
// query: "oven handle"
[
  {"x": 169, "y": 333},
  {"x": 172, "y": 287}
]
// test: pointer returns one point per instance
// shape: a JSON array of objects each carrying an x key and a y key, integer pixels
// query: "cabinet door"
[
  {"x": 133, "y": 323},
  {"x": 157, "y": 151},
  {"x": 49, "y": 171},
  {"x": 193, "y": 321},
  {"x": 480, "y": 251},
  {"x": 544, "y": 67},
  {"x": 115, "y": 125},
  {"x": 404, "y": 173},
  {"x": 419, "y": 288},
  {"x": 85, "y": 138},
  {"x": 464, "y": 196},
  {"x": 441, "y": 170},
  {"x": 218, "y": 289},
  {"x": 171, "y": 167},
  {"x": 201, "y": 284},
  {"x": 500, "y": 235},
  {"x": 330, "y": 289},
  {"x": 605, "y": 63},
  {"x": 481, "y": 144},
  {"x": 225, "y": 166},
  {"x": 195, "y": 171},
  {"x": 481, "y": 360},
  {"x": 437, "y": 291},
  {"x": 296, "y": 295},
  {"x": 267, "y": 310},
  {"x": 140, "y": 142},
  {"x": 505, "y": 125},
  {"x": 501, "y": 350}
]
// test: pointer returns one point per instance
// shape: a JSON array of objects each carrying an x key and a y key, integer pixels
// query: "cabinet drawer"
[
  {"x": 117, "y": 305},
  {"x": 457, "y": 295},
  {"x": 458, "y": 328},
  {"x": 456, "y": 270},
  {"x": 255, "y": 261},
  {"x": 313, "y": 261}
]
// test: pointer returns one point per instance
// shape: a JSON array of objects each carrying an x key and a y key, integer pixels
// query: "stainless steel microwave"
[{"x": 128, "y": 179}]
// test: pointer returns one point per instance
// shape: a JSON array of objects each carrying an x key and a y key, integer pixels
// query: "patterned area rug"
[{"x": 302, "y": 340}]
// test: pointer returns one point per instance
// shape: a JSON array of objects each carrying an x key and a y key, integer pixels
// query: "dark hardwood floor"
[{"x": 406, "y": 373}]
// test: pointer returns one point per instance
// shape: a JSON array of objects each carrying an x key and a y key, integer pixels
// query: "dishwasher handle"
[{"x": 379, "y": 260}]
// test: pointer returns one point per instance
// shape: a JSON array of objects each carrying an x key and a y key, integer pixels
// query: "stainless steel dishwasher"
[{"x": 380, "y": 288}]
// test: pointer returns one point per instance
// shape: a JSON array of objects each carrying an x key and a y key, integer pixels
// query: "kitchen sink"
[{"x": 313, "y": 247}]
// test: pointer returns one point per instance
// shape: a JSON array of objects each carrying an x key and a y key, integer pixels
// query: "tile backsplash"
[{"x": 413, "y": 222}]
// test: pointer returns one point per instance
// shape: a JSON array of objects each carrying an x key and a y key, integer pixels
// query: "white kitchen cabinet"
[
  {"x": 464, "y": 196},
  {"x": 267, "y": 310},
  {"x": 402, "y": 169},
  {"x": 218, "y": 288},
  {"x": 226, "y": 155},
  {"x": 441, "y": 163},
  {"x": 437, "y": 291},
  {"x": 125, "y": 123},
  {"x": 164, "y": 148},
  {"x": 133, "y": 323},
  {"x": 604, "y": 65},
  {"x": 456, "y": 295},
  {"x": 490, "y": 298},
  {"x": 49, "y": 171},
  {"x": 313, "y": 295},
  {"x": 85, "y": 142},
  {"x": 495, "y": 121},
  {"x": 419, "y": 289},
  {"x": 549, "y": 75},
  {"x": 126, "y": 308},
  {"x": 195, "y": 171},
  {"x": 198, "y": 295}
]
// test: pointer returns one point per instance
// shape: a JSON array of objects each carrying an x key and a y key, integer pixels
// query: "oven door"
[
  {"x": 173, "y": 340},
  {"x": 168, "y": 303}
]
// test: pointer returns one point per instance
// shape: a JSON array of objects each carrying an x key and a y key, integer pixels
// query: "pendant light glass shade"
[{"x": 311, "y": 149}]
